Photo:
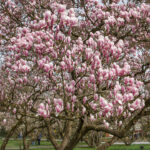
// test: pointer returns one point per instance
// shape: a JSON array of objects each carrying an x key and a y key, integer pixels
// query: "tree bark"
[
  {"x": 50, "y": 136},
  {"x": 107, "y": 144},
  {"x": 25, "y": 144},
  {"x": 80, "y": 132},
  {"x": 67, "y": 135},
  {"x": 10, "y": 133}
]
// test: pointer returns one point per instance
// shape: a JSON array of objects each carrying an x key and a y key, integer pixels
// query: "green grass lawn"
[
  {"x": 131, "y": 147},
  {"x": 17, "y": 143},
  {"x": 74, "y": 149}
]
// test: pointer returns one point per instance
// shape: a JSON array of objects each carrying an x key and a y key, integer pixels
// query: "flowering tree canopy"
[{"x": 76, "y": 62}]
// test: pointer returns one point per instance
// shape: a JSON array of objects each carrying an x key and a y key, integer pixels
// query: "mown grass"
[
  {"x": 46, "y": 144},
  {"x": 74, "y": 149},
  {"x": 131, "y": 147},
  {"x": 16, "y": 143}
]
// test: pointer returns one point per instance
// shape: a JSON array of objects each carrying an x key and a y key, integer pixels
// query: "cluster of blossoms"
[
  {"x": 6, "y": 121},
  {"x": 21, "y": 65},
  {"x": 43, "y": 110},
  {"x": 87, "y": 75}
]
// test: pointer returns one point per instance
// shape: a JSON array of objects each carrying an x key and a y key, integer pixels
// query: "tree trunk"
[
  {"x": 10, "y": 133},
  {"x": 107, "y": 144},
  {"x": 25, "y": 144},
  {"x": 79, "y": 133},
  {"x": 50, "y": 135},
  {"x": 67, "y": 136}
]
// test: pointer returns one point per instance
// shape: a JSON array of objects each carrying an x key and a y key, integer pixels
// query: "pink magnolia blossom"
[
  {"x": 92, "y": 118},
  {"x": 84, "y": 100},
  {"x": 120, "y": 110},
  {"x": 14, "y": 110},
  {"x": 95, "y": 97},
  {"x": 47, "y": 15}
]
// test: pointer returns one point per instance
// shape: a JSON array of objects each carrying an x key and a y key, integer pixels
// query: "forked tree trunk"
[
  {"x": 80, "y": 132},
  {"x": 10, "y": 133},
  {"x": 68, "y": 142}
]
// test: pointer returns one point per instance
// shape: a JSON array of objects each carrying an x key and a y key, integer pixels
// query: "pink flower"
[
  {"x": 40, "y": 111},
  {"x": 61, "y": 8},
  {"x": 58, "y": 102},
  {"x": 14, "y": 67},
  {"x": 95, "y": 97},
  {"x": 73, "y": 83},
  {"x": 123, "y": 89},
  {"x": 73, "y": 98},
  {"x": 42, "y": 23},
  {"x": 14, "y": 110},
  {"x": 92, "y": 78},
  {"x": 137, "y": 101},
  {"x": 126, "y": 67},
  {"x": 41, "y": 63},
  {"x": 25, "y": 80},
  {"x": 139, "y": 84},
  {"x": 120, "y": 110},
  {"x": 130, "y": 96},
  {"x": 106, "y": 124},
  {"x": 84, "y": 100},
  {"x": 92, "y": 118},
  {"x": 44, "y": 113},
  {"x": 93, "y": 105},
  {"x": 106, "y": 109},
  {"x": 47, "y": 15},
  {"x": 48, "y": 67},
  {"x": 60, "y": 36},
  {"x": 24, "y": 68},
  {"x": 102, "y": 102},
  {"x": 89, "y": 53},
  {"x": 49, "y": 101},
  {"x": 118, "y": 96},
  {"x": 42, "y": 106},
  {"x": 71, "y": 89},
  {"x": 120, "y": 123},
  {"x": 63, "y": 65},
  {"x": 120, "y": 21},
  {"x": 53, "y": 19},
  {"x": 83, "y": 110},
  {"x": 111, "y": 20},
  {"x": 58, "y": 109},
  {"x": 73, "y": 21}
]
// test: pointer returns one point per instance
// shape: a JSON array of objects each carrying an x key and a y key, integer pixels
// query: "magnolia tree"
[{"x": 75, "y": 65}]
